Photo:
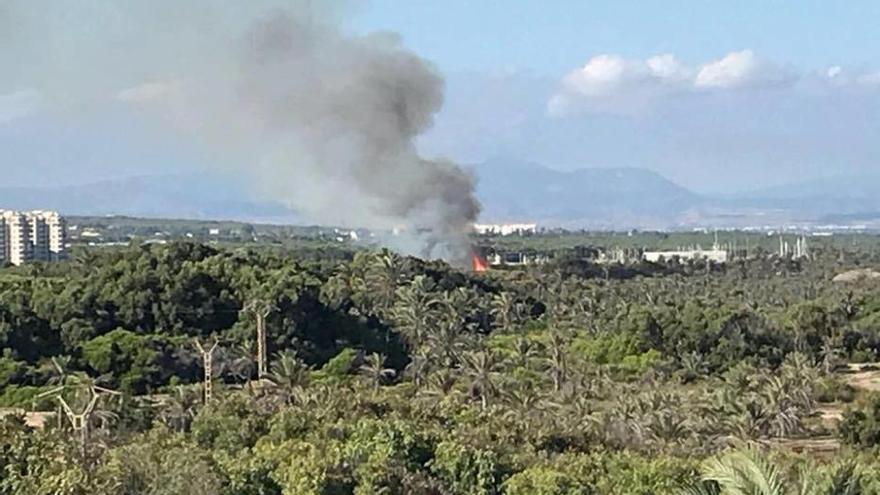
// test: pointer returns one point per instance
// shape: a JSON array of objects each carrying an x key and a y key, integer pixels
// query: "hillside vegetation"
[{"x": 395, "y": 375}]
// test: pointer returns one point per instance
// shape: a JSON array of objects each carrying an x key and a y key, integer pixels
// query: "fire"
[{"x": 478, "y": 263}]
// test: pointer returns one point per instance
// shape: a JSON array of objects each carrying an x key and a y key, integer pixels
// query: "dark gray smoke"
[
  {"x": 322, "y": 120},
  {"x": 346, "y": 111}
]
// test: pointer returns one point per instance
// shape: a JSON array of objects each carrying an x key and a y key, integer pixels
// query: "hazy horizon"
[{"x": 719, "y": 99}]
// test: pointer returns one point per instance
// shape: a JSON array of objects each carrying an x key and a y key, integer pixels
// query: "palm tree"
[
  {"x": 830, "y": 356},
  {"x": 523, "y": 398},
  {"x": 242, "y": 364},
  {"x": 375, "y": 371},
  {"x": 180, "y": 409},
  {"x": 741, "y": 472},
  {"x": 479, "y": 367},
  {"x": 504, "y": 308},
  {"x": 340, "y": 287},
  {"x": 747, "y": 471},
  {"x": 383, "y": 274},
  {"x": 414, "y": 311},
  {"x": 523, "y": 351},
  {"x": 445, "y": 339},
  {"x": 417, "y": 369},
  {"x": 557, "y": 363},
  {"x": 288, "y": 373},
  {"x": 668, "y": 426},
  {"x": 439, "y": 385},
  {"x": 693, "y": 366}
]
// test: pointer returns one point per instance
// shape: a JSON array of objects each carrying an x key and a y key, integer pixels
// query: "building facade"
[{"x": 32, "y": 236}]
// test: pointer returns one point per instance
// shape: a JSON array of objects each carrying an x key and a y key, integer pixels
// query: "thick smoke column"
[
  {"x": 344, "y": 112},
  {"x": 321, "y": 120}
]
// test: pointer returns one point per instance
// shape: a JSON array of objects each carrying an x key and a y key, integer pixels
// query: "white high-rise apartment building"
[{"x": 31, "y": 236}]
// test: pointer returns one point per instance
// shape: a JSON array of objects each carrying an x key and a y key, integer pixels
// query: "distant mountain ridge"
[
  {"x": 832, "y": 197},
  {"x": 861, "y": 186},
  {"x": 594, "y": 197},
  {"x": 510, "y": 191},
  {"x": 621, "y": 198}
]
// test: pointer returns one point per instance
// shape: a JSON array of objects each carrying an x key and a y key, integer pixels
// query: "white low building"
[
  {"x": 716, "y": 255},
  {"x": 506, "y": 228}
]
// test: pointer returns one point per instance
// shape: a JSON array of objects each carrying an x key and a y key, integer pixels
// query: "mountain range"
[
  {"x": 640, "y": 198},
  {"x": 510, "y": 190}
]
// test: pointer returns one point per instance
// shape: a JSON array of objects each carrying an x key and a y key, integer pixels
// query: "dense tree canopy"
[{"x": 390, "y": 374}]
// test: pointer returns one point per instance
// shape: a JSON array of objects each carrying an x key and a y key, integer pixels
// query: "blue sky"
[
  {"x": 719, "y": 96},
  {"x": 508, "y": 58},
  {"x": 550, "y": 37}
]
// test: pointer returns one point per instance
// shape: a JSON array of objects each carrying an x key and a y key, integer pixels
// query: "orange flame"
[{"x": 478, "y": 264}]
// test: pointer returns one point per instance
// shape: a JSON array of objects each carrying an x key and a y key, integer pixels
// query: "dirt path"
[
  {"x": 860, "y": 376},
  {"x": 821, "y": 447},
  {"x": 863, "y": 377}
]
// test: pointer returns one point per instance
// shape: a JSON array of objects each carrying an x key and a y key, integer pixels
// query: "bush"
[
  {"x": 833, "y": 389},
  {"x": 543, "y": 480},
  {"x": 23, "y": 396},
  {"x": 339, "y": 366},
  {"x": 861, "y": 427},
  {"x": 466, "y": 470},
  {"x": 136, "y": 361},
  {"x": 11, "y": 371}
]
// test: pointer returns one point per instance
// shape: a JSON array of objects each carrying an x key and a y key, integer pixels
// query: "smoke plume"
[{"x": 320, "y": 119}]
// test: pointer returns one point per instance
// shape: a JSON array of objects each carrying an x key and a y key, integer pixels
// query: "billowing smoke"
[
  {"x": 319, "y": 119},
  {"x": 345, "y": 112}
]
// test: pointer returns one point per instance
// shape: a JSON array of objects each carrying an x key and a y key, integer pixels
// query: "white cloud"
[
  {"x": 668, "y": 68},
  {"x": 604, "y": 74},
  {"x": 18, "y": 104},
  {"x": 611, "y": 83},
  {"x": 741, "y": 70}
]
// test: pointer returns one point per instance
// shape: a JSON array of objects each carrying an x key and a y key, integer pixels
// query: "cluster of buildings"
[{"x": 31, "y": 236}]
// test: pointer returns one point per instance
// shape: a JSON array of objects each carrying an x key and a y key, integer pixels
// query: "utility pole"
[
  {"x": 208, "y": 363},
  {"x": 261, "y": 311},
  {"x": 80, "y": 421}
]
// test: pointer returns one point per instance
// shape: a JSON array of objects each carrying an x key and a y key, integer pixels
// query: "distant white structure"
[
  {"x": 506, "y": 228},
  {"x": 31, "y": 236},
  {"x": 516, "y": 259},
  {"x": 616, "y": 255},
  {"x": 801, "y": 248},
  {"x": 715, "y": 254}
]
